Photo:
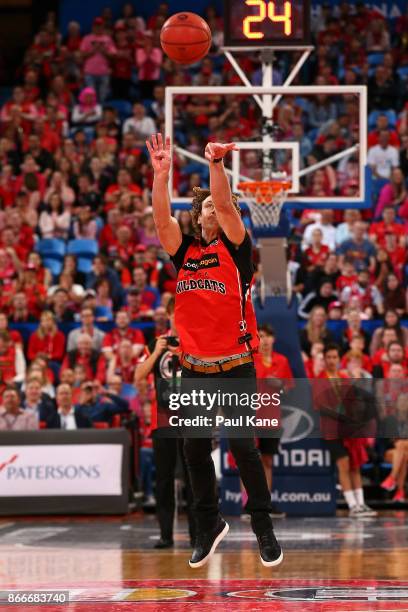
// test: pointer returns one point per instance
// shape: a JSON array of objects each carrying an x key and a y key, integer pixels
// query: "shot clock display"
[{"x": 264, "y": 23}]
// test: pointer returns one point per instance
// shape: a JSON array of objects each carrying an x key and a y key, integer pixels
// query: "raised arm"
[
  {"x": 168, "y": 229},
  {"x": 227, "y": 215}
]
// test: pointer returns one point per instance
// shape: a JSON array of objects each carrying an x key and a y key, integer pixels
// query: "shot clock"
[{"x": 264, "y": 23}]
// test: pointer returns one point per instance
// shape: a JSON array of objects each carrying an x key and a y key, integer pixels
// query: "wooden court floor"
[{"x": 330, "y": 564}]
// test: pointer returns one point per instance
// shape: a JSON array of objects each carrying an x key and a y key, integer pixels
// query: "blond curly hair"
[{"x": 197, "y": 203}]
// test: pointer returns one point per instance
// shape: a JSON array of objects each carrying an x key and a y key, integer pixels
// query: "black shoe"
[
  {"x": 276, "y": 513},
  {"x": 163, "y": 543},
  {"x": 206, "y": 542},
  {"x": 269, "y": 548}
]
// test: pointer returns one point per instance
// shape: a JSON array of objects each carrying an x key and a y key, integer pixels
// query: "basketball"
[{"x": 185, "y": 38}]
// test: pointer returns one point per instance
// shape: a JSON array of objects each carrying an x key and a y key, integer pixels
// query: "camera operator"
[{"x": 163, "y": 361}]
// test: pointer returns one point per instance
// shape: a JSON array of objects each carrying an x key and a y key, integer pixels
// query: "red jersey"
[
  {"x": 380, "y": 229},
  {"x": 113, "y": 338},
  {"x": 52, "y": 346},
  {"x": 278, "y": 368},
  {"x": 8, "y": 365},
  {"x": 214, "y": 314},
  {"x": 345, "y": 281},
  {"x": 315, "y": 257}
]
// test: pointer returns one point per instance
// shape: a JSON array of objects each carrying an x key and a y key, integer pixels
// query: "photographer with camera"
[{"x": 162, "y": 360}]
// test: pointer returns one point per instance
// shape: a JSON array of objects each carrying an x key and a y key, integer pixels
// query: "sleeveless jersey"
[{"x": 214, "y": 314}]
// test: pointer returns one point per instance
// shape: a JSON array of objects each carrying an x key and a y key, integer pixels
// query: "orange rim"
[{"x": 264, "y": 187}]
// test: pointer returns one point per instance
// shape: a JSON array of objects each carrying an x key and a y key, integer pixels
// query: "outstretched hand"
[
  {"x": 217, "y": 150},
  {"x": 160, "y": 155}
]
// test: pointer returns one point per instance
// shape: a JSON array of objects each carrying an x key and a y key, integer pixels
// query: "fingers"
[
  {"x": 168, "y": 144},
  {"x": 154, "y": 142},
  {"x": 149, "y": 147},
  {"x": 160, "y": 141},
  {"x": 231, "y": 146}
]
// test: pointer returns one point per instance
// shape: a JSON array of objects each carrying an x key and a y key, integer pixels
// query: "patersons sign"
[{"x": 61, "y": 470}]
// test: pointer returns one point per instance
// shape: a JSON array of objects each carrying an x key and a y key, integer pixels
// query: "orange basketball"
[{"x": 185, "y": 38}]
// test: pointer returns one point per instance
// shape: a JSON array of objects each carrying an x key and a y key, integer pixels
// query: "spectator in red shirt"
[
  {"x": 135, "y": 307},
  {"x": 357, "y": 346},
  {"x": 388, "y": 225},
  {"x": 108, "y": 235},
  {"x": 73, "y": 39},
  {"x": 35, "y": 292},
  {"x": 317, "y": 253},
  {"x": 86, "y": 356},
  {"x": 122, "y": 331},
  {"x": 12, "y": 362},
  {"x": 393, "y": 353},
  {"x": 269, "y": 363},
  {"x": 31, "y": 177},
  {"x": 124, "y": 185},
  {"x": 9, "y": 240},
  {"x": 24, "y": 233},
  {"x": 47, "y": 339},
  {"x": 396, "y": 253},
  {"x": 10, "y": 265},
  {"x": 382, "y": 124},
  {"x": 330, "y": 397},
  {"x": 315, "y": 365},
  {"x": 348, "y": 276},
  {"x": 123, "y": 363}
]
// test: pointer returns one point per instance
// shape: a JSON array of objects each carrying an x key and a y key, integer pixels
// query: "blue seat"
[
  {"x": 84, "y": 265},
  {"x": 374, "y": 59},
  {"x": 53, "y": 265},
  {"x": 128, "y": 391},
  {"x": 390, "y": 114},
  {"x": 51, "y": 248},
  {"x": 403, "y": 73},
  {"x": 82, "y": 247}
]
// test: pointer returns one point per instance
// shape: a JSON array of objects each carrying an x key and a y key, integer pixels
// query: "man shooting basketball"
[{"x": 217, "y": 329}]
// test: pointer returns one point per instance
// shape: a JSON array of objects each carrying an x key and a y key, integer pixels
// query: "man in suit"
[
  {"x": 33, "y": 400},
  {"x": 67, "y": 416}
]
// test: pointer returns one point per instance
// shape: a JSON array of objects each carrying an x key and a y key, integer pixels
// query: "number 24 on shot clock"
[{"x": 266, "y": 23}]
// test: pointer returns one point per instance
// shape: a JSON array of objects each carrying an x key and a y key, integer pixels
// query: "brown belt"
[{"x": 217, "y": 367}]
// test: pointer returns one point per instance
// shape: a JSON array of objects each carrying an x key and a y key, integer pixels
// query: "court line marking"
[{"x": 5, "y": 525}]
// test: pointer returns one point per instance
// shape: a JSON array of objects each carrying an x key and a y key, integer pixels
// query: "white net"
[{"x": 265, "y": 204}]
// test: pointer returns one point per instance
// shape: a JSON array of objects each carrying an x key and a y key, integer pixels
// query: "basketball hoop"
[{"x": 265, "y": 200}]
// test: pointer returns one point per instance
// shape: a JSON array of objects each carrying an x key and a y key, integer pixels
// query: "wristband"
[{"x": 217, "y": 161}]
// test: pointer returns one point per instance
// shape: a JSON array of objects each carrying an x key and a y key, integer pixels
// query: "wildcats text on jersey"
[{"x": 201, "y": 284}]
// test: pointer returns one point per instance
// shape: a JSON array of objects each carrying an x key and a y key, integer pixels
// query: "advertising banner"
[
  {"x": 64, "y": 472},
  {"x": 71, "y": 469}
]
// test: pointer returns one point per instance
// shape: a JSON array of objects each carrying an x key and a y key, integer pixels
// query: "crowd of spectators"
[{"x": 74, "y": 168}]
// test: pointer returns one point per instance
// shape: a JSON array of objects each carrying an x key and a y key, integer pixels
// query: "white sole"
[
  {"x": 217, "y": 540},
  {"x": 273, "y": 563}
]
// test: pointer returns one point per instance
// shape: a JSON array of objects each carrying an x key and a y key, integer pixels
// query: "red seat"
[
  {"x": 116, "y": 419},
  {"x": 43, "y": 425},
  {"x": 100, "y": 425}
]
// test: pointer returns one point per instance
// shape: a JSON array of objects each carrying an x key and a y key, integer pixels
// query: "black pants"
[
  {"x": 202, "y": 472},
  {"x": 166, "y": 451}
]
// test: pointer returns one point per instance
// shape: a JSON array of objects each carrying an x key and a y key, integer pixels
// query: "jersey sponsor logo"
[
  {"x": 206, "y": 284},
  {"x": 210, "y": 260}
]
